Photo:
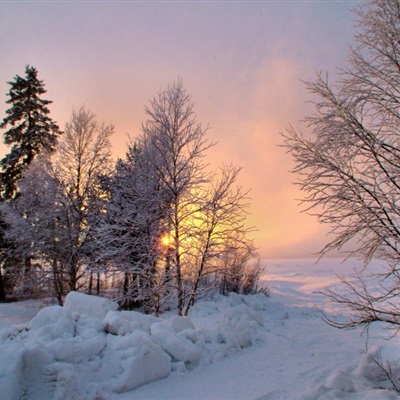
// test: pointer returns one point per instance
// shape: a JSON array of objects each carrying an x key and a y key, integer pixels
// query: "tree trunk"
[
  {"x": 200, "y": 271},
  {"x": 2, "y": 288},
  {"x": 179, "y": 284},
  {"x": 126, "y": 301},
  {"x": 57, "y": 280},
  {"x": 29, "y": 284},
  {"x": 98, "y": 284},
  {"x": 91, "y": 282},
  {"x": 72, "y": 278}
]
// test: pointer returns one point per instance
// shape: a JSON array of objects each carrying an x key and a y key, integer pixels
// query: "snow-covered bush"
[{"x": 241, "y": 273}]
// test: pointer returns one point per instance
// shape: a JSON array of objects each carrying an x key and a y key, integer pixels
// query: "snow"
[
  {"x": 235, "y": 347},
  {"x": 12, "y": 314},
  {"x": 92, "y": 306}
]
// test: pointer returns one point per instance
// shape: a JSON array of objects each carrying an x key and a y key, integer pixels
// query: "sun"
[{"x": 166, "y": 240}]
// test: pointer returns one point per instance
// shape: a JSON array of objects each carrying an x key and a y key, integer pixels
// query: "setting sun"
[{"x": 166, "y": 240}]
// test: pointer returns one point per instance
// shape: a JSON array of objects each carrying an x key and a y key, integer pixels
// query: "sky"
[{"x": 243, "y": 62}]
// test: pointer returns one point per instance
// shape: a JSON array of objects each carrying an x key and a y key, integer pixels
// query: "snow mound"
[
  {"x": 93, "y": 306},
  {"x": 88, "y": 350},
  {"x": 377, "y": 376}
]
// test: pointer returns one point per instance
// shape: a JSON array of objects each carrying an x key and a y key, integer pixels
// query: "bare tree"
[
  {"x": 169, "y": 223},
  {"x": 192, "y": 215},
  {"x": 52, "y": 219},
  {"x": 83, "y": 158},
  {"x": 221, "y": 232},
  {"x": 176, "y": 146},
  {"x": 350, "y": 168}
]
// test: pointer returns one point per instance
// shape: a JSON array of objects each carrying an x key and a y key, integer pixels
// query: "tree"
[
  {"x": 350, "y": 167},
  {"x": 200, "y": 213},
  {"x": 220, "y": 247},
  {"x": 128, "y": 234},
  {"x": 169, "y": 223},
  {"x": 83, "y": 159},
  {"x": 31, "y": 130},
  {"x": 64, "y": 197},
  {"x": 176, "y": 145},
  {"x": 3, "y": 252},
  {"x": 37, "y": 234}
]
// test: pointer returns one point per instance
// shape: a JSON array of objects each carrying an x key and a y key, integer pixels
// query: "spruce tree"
[{"x": 30, "y": 131}]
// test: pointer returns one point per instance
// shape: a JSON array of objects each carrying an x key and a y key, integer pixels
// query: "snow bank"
[
  {"x": 88, "y": 350},
  {"x": 92, "y": 306},
  {"x": 376, "y": 377}
]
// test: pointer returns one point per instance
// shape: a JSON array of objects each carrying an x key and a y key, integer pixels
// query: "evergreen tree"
[{"x": 30, "y": 131}]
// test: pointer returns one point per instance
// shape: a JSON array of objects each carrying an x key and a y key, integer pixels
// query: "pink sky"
[{"x": 242, "y": 62}]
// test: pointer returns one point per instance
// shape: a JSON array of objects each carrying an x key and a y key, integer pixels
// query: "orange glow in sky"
[{"x": 242, "y": 62}]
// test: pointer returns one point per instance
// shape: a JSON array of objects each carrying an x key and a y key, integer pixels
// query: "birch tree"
[
  {"x": 83, "y": 158},
  {"x": 169, "y": 223},
  {"x": 221, "y": 235},
  {"x": 349, "y": 169},
  {"x": 177, "y": 144},
  {"x": 201, "y": 212}
]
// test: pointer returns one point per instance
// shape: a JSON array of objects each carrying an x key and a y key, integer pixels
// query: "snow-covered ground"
[{"x": 237, "y": 347}]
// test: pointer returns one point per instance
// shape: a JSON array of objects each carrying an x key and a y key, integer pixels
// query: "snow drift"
[{"x": 88, "y": 350}]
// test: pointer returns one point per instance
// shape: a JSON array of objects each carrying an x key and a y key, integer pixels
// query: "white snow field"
[{"x": 236, "y": 347}]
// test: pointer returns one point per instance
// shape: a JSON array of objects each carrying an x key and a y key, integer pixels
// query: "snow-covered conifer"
[
  {"x": 30, "y": 129},
  {"x": 30, "y": 132}
]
